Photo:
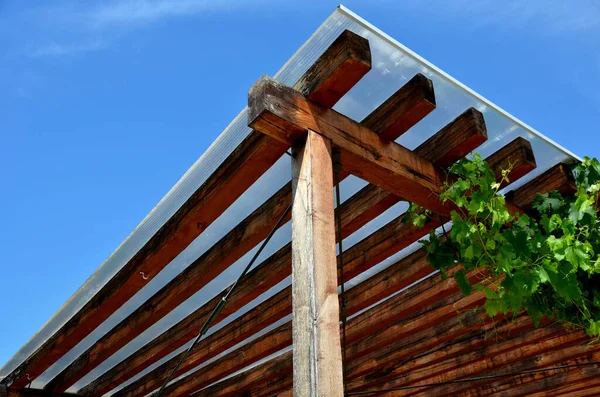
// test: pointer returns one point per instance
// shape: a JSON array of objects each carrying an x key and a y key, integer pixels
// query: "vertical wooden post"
[{"x": 316, "y": 329}]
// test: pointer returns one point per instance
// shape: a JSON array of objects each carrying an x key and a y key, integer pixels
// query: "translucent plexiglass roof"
[{"x": 392, "y": 66}]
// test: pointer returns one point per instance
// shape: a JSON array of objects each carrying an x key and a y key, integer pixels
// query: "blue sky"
[{"x": 105, "y": 104}]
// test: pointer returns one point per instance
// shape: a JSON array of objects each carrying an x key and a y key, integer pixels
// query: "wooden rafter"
[
  {"x": 363, "y": 207},
  {"x": 339, "y": 68},
  {"x": 461, "y": 135},
  {"x": 363, "y": 255},
  {"x": 400, "y": 329}
]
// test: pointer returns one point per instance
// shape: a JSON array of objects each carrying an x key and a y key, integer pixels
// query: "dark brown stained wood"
[
  {"x": 278, "y": 388},
  {"x": 468, "y": 128},
  {"x": 433, "y": 318},
  {"x": 27, "y": 392},
  {"x": 392, "y": 279},
  {"x": 213, "y": 262},
  {"x": 545, "y": 354},
  {"x": 448, "y": 358},
  {"x": 361, "y": 208},
  {"x": 270, "y": 343},
  {"x": 342, "y": 65},
  {"x": 582, "y": 380},
  {"x": 516, "y": 156},
  {"x": 244, "y": 166},
  {"x": 383, "y": 242},
  {"x": 272, "y": 370},
  {"x": 335, "y": 73},
  {"x": 359, "y": 258},
  {"x": 282, "y": 337},
  {"x": 284, "y": 114},
  {"x": 558, "y": 178},
  {"x": 463, "y": 326},
  {"x": 316, "y": 310},
  {"x": 565, "y": 382},
  {"x": 409, "y": 105},
  {"x": 255, "y": 320},
  {"x": 430, "y": 298},
  {"x": 260, "y": 349}
]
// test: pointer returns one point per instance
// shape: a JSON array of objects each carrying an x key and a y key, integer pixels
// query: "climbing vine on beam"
[{"x": 546, "y": 263}]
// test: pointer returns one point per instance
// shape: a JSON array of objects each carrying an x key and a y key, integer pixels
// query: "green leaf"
[
  {"x": 577, "y": 257},
  {"x": 547, "y": 202},
  {"x": 463, "y": 282}
]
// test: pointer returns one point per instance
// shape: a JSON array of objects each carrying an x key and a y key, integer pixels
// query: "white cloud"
[
  {"x": 56, "y": 50},
  {"x": 136, "y": 12},
  {"x": 549, "y": 17},
  {"x": 100, "y": 24}
]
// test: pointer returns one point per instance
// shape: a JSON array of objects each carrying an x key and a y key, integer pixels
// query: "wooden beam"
[
  {"x": 410, "y": 332},
  {"x": 284, "y": 114},
  {"x": 368, "y": 252},
  {"x": 470, "y": 324},
  {"x": 416, "y": 100},
  {"x": 516, "y": 156},
  {"x": 543, "y": 354},
  {"x": 316, "y": 311},
  {"x": 558, "y": 178},
  {"x": 354, "y": 255},
  {"x": 273, "y": 370},
  {"x": 357, "y": 211},
  {"x": 337, "y": 70},
  {"x": 447, "y": 359}
]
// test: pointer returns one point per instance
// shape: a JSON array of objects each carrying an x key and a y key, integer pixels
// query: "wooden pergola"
[{"x": 407, "y": 329}]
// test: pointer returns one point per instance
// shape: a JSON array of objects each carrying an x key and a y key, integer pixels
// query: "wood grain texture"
[
  {"x": 356, "y": 212},
  {"x": 334, "y": 74},
  {"x": 370, "y": 251},
  {"x": 337, "y": 70},
  {"x": 316, "y": 312},
  {"x": 405, "y": 108},
  {"x": 450, "y": 360},
  {"x": 389, "y": 238},
  {"x": 516, "y": 156},
  {"x": 457, "y": 139},
  {"x": 409, "y": 327},
  {"x": 284, "y": 114},
  {"x": 551, "y": 352},
  {"x": 272, "y": 371},
  {"x": 559, "y": 178}
]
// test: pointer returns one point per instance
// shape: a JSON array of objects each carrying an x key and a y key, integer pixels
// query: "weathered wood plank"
[
  {"x": 468, "y": 128},
  {"x": 316, "y": 312},
  {"x": 558, "y": 178},
  {"x": 358, "y": 256},
  {"x": 433, "y": 318},
  {"x": 448, "y": 358},
  {"x": 334, "y": 74},
  {"x": 404, "y": 109},
  {"x": 284, "y": 114},
  {"x": 271, "y": 371},
  {"x": 516, "y": 156},
  {"x": 543, "y": 354},
  {"x": 357, "y": 211},
  {"x": 339, "y": 68}
]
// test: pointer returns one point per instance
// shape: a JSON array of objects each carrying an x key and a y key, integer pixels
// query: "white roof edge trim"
[{"x": 454, "y": 81}]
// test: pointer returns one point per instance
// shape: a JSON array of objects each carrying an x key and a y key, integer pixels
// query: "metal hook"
[{"x": 144, "y": 276}]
